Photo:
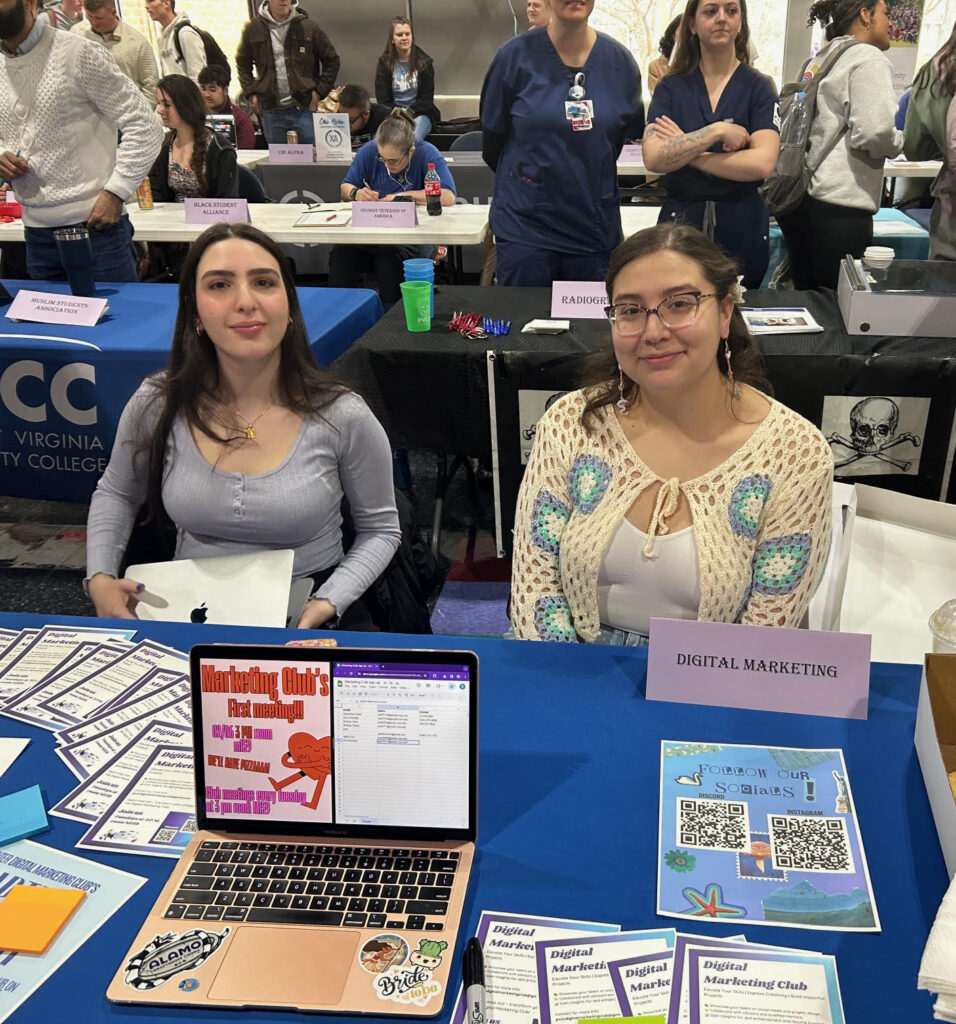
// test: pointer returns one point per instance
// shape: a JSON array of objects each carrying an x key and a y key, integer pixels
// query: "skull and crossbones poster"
[{"x": 875, "y": 435}]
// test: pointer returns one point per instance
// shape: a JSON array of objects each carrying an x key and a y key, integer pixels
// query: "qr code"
[
  {"x": 713, "y": 825},
  {"x": 189, "y": 825},
  {"x": 165, "y": 835},
  {"x": 809, "y": 844}
]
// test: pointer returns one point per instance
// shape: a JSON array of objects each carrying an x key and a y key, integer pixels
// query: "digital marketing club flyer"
[{"x": 267, "y": 738}]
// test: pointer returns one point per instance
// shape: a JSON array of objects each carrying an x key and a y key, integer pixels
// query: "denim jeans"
[
  {"x": 423, "y": 125},
  {"x": 609, "y": 636},
  {"x": 114, "y": 258},
  {"x": 275, "y": 124},
  {"x": 612, "y": 637}
]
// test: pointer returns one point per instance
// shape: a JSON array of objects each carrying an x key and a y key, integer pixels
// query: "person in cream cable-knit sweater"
[
  {"x": 668, "y": 488},
  {"x": 64, "y": 98}
]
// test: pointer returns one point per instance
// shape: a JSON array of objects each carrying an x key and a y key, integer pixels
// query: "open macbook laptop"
[
  {"x": 336, "y": 800},
  {"x": 229, "y": 590}
]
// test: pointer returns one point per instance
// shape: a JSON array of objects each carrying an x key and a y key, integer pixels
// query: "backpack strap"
[{"x": 185, "y": 23}]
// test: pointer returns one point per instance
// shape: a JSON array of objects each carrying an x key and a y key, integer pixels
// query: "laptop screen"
[{"x": 335, "y": 742}]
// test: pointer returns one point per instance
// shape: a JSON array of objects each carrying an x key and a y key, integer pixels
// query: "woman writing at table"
[
  {"x": 673, "y": 486},
  {"x": 711, "y": 132},
  {"x": 244, "y": 444},
  {"x": 392, "y": 166},
  {"x": 557, "y": 105}
]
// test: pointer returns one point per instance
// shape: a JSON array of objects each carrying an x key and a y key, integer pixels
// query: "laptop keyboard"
[{"x": 292, "y": 883}]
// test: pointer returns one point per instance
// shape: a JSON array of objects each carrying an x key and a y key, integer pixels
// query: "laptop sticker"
[
  {"x": 171, "y": 954},
  {"x": 382, "y": 952},
  {"x": 414, "y": 984}
]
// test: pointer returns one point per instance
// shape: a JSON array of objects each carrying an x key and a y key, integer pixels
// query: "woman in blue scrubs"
[
  {"x": 557, "y": 105},
  {"x": 711, "y": 132}
]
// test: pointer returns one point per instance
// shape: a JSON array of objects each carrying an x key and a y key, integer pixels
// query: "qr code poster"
[
  {"x": 765, "y": 835},
  {"x": 531, "y": 407}
]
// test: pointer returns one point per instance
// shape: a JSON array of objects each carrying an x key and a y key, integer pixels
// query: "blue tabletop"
[
  {"x": 568, "y": 811},
  {"x": 65, "y": 387}
]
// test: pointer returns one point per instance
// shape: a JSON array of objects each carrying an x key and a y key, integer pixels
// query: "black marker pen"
[{"x": 473, "y": 975}]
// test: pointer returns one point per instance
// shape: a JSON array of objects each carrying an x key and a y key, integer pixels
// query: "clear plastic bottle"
[
  {"x": 796, "y": 126},
  {"x": 432, "y": 192}
]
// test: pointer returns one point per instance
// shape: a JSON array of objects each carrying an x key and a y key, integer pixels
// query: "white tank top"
[{"x": 634, "y": 587}]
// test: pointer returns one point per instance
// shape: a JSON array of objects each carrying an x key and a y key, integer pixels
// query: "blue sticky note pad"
[{"x": 21, "y": 815}]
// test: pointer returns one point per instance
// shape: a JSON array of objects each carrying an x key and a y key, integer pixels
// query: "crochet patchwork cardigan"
[{"x": 762, "y": 521}]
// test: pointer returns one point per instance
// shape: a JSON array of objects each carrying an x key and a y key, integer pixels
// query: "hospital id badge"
[{"x": 579, "y": 110}]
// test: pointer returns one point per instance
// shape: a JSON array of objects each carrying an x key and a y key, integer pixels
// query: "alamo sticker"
[
  {"x": 171, "y": 954},
  {"x": 876, "y": 435}
]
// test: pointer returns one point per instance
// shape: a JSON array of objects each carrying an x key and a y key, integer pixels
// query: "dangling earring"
[
  {"x": 734, "y": 386},
  {"x": 199, "y": 327},
  {"x": 623, "y": 405}
]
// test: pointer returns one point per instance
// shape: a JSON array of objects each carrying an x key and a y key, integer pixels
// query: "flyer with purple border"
[
  {"x": 511, "y": 974},
  {"x": 573, "y": 980},
  {"x": 643, "y": 984},
  {"x": 155, "y": 814},
  {"x": 762, "y": 987}
]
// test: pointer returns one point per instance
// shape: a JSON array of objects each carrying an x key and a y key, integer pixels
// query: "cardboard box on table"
[
  {"x": 901, "y": 568},
  {"x": 936, "y": 747}
]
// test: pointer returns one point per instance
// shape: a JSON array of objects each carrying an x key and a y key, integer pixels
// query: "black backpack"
[
  {"x": 790, "y": 178},
  {"x": 214, "y": 52}
]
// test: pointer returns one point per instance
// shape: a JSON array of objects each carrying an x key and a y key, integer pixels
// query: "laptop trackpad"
[{"x": 286, "y": 966}]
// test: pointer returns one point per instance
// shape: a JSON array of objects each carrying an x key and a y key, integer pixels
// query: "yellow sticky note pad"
[{"x": 31, "y": 916}]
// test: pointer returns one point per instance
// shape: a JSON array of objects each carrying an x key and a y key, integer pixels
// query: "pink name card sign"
[
  {"x": 632, "y": 154},
  {"x": 55, "y": 308},
  {"x": 384, "y": 215},
  {"x": 579, "y": 300},
  {"x": 287, "y": 153},
  {"x": 761, "y": 668},
  {"x": 211, "y": 211}
]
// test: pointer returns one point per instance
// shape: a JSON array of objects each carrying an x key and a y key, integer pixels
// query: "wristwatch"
[{"x": 353, "y": 193}]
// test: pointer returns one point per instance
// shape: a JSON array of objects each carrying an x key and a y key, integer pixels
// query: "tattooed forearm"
[{"x": 676, "y": 151}]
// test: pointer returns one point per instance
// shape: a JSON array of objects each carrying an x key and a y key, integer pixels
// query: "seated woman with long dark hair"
[
  {"x": 244, "y": 444},
  {"x": 672, "y": 486},
  {"x": 194, "y": 162}
]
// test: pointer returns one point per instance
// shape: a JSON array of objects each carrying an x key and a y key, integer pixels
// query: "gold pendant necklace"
[{"x": 250, "y": 426}]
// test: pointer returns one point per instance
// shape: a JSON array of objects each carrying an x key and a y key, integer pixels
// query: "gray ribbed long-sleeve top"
[{"x": 343, "y": 451}]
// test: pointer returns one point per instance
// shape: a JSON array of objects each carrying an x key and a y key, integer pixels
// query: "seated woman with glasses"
[
  {"x": 390, "y": 167},
  {"x": 671, "y": 485}
]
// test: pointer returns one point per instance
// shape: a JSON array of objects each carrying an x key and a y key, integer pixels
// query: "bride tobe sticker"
[{"x": 403, "y": 976}]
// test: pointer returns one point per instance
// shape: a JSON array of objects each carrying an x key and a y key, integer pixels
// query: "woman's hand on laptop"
[
  {"x": 317, "y": 612},
  {"x": 112, "y": 597}
]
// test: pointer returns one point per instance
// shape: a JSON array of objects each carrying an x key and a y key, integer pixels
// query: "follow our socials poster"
[{"x": 762, "y": 835}]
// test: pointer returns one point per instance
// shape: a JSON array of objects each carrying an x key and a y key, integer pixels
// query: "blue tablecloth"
[
  {"x": 907, "y": 245},
  {"x": 568, "y": 811},
  {"x": 62, "y": 389}
]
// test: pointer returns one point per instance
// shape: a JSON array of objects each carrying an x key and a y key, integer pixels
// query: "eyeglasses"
[
  {"x": 396, "y": 163},
  {"x": 675, "y": 311}
]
